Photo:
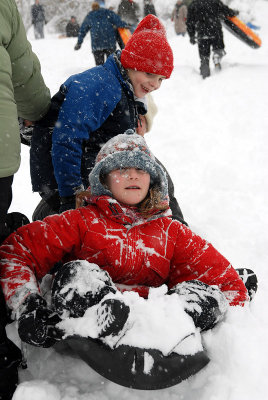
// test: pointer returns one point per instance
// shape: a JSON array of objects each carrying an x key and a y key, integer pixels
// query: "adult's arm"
[
  {"x": 85, "y": 27},
  {"x": 22, "y": 89}
]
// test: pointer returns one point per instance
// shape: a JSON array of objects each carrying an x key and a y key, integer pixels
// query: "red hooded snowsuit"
[{"x": 143, "y": 253}]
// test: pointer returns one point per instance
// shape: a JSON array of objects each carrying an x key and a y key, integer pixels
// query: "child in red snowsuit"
[{"x": 127, "y": 232}]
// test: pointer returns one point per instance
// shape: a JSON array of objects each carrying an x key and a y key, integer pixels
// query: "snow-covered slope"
[{"x": 212, "y": 137}]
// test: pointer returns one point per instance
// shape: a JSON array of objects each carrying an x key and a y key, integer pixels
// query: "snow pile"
[{"x": 150, "y": 321}]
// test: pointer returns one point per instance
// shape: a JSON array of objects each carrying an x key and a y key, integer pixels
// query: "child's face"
[
  {"x": 144, "y": 82},
  {"x": 128, "y": 185}
]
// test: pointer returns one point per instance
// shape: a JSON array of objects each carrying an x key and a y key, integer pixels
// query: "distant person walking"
[
  {"x": 72, "y": 28},
  {"x": 179, "y": 16},
  {"x": 148, "y": 8},
  {"x": 38, "y": 20},
  {"x": 129, "y": 11},
  {"x": 204, "y": 27},
  {"x": 101, "y": 23}
]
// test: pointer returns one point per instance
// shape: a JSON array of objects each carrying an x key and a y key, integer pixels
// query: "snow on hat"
[
  {"x": 123, "y": 151},
  {"x": 148, "y": 50}
]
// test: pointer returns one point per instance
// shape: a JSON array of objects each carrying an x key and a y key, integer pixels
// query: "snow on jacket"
[
  {"x": 22, "y": 89},
  {"x": 204, "y": 18},
  {"x": 102, "y": 24},
  {"x": 141, "y": 253},
  {"x": 99, "y": 104},
  {"x": 179, "y": 16}
]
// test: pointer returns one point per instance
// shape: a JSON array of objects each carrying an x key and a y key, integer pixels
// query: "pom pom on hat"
[{"x": 148, "y": 50}]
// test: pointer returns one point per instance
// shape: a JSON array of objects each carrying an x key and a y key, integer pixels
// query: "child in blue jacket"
[{"x": 92, "y": 107}]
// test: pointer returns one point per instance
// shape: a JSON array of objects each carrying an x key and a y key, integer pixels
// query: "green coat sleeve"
[{"x": 22, "y": 89}]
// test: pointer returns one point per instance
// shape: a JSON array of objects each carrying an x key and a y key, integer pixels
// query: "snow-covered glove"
[
  {"x": 192, "y": 40},
  {"x": 67, "y": 203},
  {"x": 204, "y": 303},
  {"x": 77, "y": 46},
  {"x": 37, "y": 323}
]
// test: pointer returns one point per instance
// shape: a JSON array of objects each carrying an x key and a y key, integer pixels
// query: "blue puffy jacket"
[{"x": 102, "y": 24}]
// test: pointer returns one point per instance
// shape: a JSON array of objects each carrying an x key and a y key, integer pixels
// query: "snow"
[{"x": 212, "y": 137}]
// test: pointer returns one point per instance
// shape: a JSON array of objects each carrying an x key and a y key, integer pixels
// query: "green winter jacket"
[{"x": 23, "y": 92}]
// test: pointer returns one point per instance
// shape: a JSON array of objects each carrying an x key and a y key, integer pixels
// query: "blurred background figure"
[
  {"x": 179, "y": 16},
  {"x": 149, "y": 8},
  {"x": 129, "y": 11},
  {"x": 72, "y": 28},
  {"x": 102, "y": 24},
  {"x": 38, "y": 20},
  {"x": 204, "y": 27}
]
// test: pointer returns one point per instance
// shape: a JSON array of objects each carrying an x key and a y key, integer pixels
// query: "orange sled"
[
  {"x": 125, "y": 34},
  {"x": 242, "y": 32}
]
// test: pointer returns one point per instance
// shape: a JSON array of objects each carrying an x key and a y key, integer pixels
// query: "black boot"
[
  {"x": 250, "y": 280},
  {"x": 14, "y": 221},
  {"x": 112, "y": 315},
  {"x": 10, "y": 357},
  {"x": 204, "y": 68}
]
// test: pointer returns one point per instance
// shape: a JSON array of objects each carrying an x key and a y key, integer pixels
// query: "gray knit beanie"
[{"x": 123, "y": 151}]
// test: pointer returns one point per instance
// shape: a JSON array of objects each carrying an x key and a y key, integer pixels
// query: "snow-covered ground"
[{"x": 212, "y": 137}]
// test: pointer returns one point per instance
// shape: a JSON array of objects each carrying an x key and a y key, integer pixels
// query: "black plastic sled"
[{"x": 136, "y": 368}]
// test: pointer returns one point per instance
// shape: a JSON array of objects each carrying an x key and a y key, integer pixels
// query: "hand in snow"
[
  {"x": 204, "y": 303},
  {"x": 37, "y": 323}
]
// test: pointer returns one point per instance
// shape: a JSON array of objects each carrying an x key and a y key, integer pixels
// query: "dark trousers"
[
  {"x": 205, "y": 45},
  {"x": 5, "y": 196},
  {"x": 99, "y": 55},
  {"x": 10, "y": 357}
]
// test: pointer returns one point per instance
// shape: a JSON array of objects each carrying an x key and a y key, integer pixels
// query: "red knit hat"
[{"x": 148, "y": 50}]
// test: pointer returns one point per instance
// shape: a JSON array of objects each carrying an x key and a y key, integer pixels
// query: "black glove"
[
  {"x": 204, "y": 303},
  {"x": 37, "y": 323},
  {"x": 77, "y": 46},
  {"x": 192, "y": 40},
  {"x": 67, "y": 203}
]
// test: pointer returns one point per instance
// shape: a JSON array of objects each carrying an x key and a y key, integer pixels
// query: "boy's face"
[{"x": 144, "y": 82}]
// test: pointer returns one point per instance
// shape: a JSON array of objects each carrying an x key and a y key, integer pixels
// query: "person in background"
[
  {"x": 179, "y": 16},
  {"x": 72, "y": 28},
  {"x": 129, "y": 11},
  {"x": 148, "y": 8},
  {"x": 101, "y": 23},
  {"x": 204, "y": 20},
  {"x": 38, "y": 20},
  {"x": 23, "y": 93}
]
